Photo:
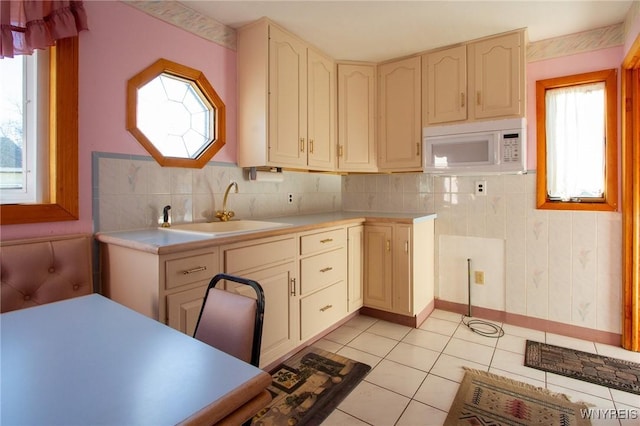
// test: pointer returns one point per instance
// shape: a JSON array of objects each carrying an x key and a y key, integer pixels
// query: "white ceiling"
[{"x": 367, "y": 30}]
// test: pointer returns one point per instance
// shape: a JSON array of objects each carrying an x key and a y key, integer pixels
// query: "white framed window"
[
  {"x": 24, "y": 128},
  {"x": 577, "y": 142}
]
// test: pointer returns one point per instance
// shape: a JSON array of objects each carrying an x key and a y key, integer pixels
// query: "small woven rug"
[
  {"x": 601, "y": 370},
  {"x": 309, "y": 386},
  {"x": 488, "y": 399}
]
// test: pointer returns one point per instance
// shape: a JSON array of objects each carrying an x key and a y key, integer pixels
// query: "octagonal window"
[{"x": 173, "y": 112}]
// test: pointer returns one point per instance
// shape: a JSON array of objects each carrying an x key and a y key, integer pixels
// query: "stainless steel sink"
[{"x": 225, "y": 228}]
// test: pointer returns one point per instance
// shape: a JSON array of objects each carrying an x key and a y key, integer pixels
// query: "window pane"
[
  {"x": 575, "y": 135},
  {"x": 12, "y": 176}
]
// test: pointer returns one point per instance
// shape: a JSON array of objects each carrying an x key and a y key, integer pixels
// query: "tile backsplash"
[
  {"x": 129, "y": 192},
  {"x": 562, "y": 266}
]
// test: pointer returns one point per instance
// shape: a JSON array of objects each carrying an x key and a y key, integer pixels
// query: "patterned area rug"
[
  {"x": 488, "y": 399},
  {"x": 601, "y": 370},
  {"x": 308, "y": 386}
]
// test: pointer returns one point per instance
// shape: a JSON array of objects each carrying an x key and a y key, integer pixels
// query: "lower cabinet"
[
  {"x": 167, "y": 287},
  {"x": 399, "y": 267},
  {"x": 311, "y": 280},
  {"x": 271, "y": 262}
]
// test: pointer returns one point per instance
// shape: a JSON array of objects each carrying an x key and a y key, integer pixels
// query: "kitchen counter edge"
[{"x": 160, "y": 241}]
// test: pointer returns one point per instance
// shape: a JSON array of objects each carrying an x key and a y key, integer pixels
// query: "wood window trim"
[
  {"x": 63, "y": 155},
  {"x": 610, "y": 201},
  {"x": 631, "y": 198}
]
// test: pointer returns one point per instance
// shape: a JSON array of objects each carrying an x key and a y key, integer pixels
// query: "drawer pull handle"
[
  {"x": 293, "y": 286},
  {"x": 326, "y": 308},
  {"x": 194, "y": 270},
  {"x": 327, "y": 269},
  {"x": 326, "y": 240}
]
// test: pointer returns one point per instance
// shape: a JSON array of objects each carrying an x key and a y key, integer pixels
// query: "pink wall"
[
  {"x": 122, "y": 41},
  {"x": 558, "y": 67}
]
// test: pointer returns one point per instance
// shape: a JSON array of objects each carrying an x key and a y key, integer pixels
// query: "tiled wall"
[
  {"x": 129, "y": 192},
  {"x": 559, "y": 265}
]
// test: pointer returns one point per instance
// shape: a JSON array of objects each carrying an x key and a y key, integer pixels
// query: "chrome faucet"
[{"x": 224, "y": 214}]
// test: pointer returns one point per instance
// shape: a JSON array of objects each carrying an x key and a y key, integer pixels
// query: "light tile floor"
[{"x": 416, "y": 372}]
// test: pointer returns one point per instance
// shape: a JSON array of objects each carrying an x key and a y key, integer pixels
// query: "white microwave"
[{"x": 484, "y": 147}]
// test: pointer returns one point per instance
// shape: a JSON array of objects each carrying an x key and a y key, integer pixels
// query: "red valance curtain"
[{"x": 26, "y": 25}]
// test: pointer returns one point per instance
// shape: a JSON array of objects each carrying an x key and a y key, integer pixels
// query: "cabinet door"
[
  {"x": 321, "y": 111},
  {"x": 497, "y": 65},
  {"x": 287, "y": 99},
  {"x": 446, "y": 85},
  {"x": 402, "y": 269},
  {"x": 183, "y": 309},
  {"x": 356, "y": 115},
  {"x": 355, "y": 267},
  {"x": 400, "y": 134},
  {"x": 280, "y": 329},
  {"x": 378, "y": 266}
]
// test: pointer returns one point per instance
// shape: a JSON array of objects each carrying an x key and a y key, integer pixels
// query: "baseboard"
[
  {"x": 555, "y": 327},
  {"x": 409, "y": 321}
]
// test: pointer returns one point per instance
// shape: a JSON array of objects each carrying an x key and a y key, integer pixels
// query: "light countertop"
[{"x": 163, "y": 241}]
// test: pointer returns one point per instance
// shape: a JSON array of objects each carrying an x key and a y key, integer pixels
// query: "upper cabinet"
[
  {"x": 356, "y": 118},
  {"x": 287, "y": 101},
  {"x": 399, "y": 107},
  {"x": 480, "y": 80},
  {"x": 445, "y": 83}
]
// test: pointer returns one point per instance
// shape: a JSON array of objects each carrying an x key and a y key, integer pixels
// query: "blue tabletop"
[{"x": 91, "y": 361}]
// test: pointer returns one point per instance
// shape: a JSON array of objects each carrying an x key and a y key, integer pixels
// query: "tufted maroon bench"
[{"x": 43, "y": 270}]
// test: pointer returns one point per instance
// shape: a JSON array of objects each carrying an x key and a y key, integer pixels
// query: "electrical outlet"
[
  {"x": 479, "y": 277},
  {"x": 481, "y": 187},
  {"x": 290, "y": 198}
]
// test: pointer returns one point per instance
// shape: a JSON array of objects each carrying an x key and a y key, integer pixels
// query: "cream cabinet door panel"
[
  {"x": 183, "y": 309},
  {"x": 356, "y": 118},
  {"x": 446, "y": 85},
  {"x": 279, "y": 333},
  {"x": 321, "y": 107},
  {"x": 400, "y": 102},
  {"x": 287, "y": 99},
  {"x": 402, "y": 269},
  {"x": 498, "y": 80},
  {"x": 378, "y": 266}
]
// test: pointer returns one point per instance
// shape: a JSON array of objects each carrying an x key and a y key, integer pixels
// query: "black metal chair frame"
[{"x": 257, "y": 329}]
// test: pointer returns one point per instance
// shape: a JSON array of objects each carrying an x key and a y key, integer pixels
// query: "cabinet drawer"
[
  {"x": 322, "y": 241},
  {"x": 254, "y": 256},
  {"x": 190, "y": 269},
  {"x": 321, "y": 270},
  {"x": 322, "y": 309}
]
